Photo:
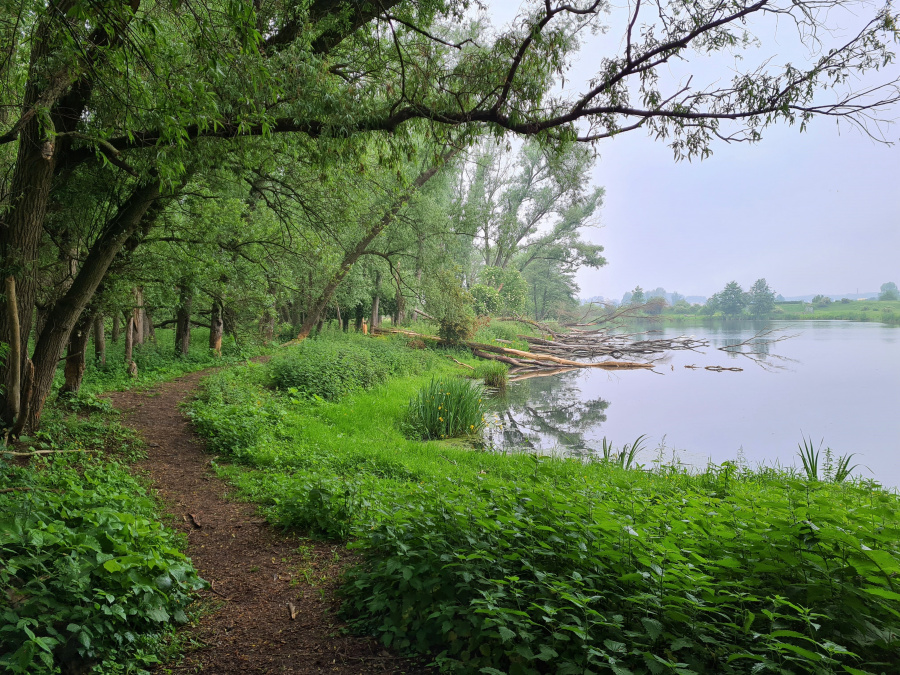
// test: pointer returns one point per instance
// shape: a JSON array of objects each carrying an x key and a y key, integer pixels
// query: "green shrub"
[
  {"x": 330, "y": 369},
  {"x": 87, "y": 572},
  {"x": 446, "y": 408},
  {"x": 494, "y": 374}
]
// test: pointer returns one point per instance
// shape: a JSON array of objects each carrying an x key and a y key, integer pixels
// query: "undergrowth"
[
  {"x": 332, "y": 367},
  {"x": 88, "y": 575},
  {"x": 520, "y": 564}
]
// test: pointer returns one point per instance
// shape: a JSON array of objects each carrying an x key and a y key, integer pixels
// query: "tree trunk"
[
  {"x": 65, "y": 312},
  {"x": 138, "y": 314},
  {"x": 183, "y": 321},
  {"x": 359, "y": 318},
  {"x": 149, "y": 328},
  {"x": 129, "y": 339},
  {"x": 15, "y": 350},
  {"x": 375, "y": 320},
  {"x": 117, "y": 327},
  {"x": 229, "y": 322},
  {"x": 76, "y": 355},
  {"x": 345, "y": 326},
  {"x": 100, "y": 339},
  {"x": 216, "y": 326}
]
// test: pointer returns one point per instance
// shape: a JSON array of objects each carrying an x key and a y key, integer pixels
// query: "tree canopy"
[{"x": 289, "y": 161}]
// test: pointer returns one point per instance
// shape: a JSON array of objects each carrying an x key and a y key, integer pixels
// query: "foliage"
[
  {"x": 631, "y": 574},
  {"x": 486, "y": 299},
  {"x": 625, "y": 458},
  {"x": 446, "y": 408},
  {"x": 332, "y": 367},
  {"x": 511, "y": 288},
  {"x": 837, "y": 471},
  {"x": 760, "y": 299},
  {"x": 889, "y": 292},
  {"x": 450, "y": 304},
  {"x": 821, "y": 301},
  {"x": 731, "y": 300},
  {"x": 637, "y": 296},
  {"x": 88, "y": 572}
]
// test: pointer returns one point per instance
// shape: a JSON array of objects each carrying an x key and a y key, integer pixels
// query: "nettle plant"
[{"x": 87, "y": 573}]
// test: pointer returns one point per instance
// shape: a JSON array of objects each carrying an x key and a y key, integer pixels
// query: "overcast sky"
[{"x": 812, "y": 212}]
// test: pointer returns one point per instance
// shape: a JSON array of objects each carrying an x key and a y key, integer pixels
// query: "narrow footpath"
[{"x": 272, "y": 606}]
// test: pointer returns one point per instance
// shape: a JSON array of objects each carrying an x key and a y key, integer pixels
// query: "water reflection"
[
  {"x": 539, "y": 414},
  {"x": 837, "y": 380}
]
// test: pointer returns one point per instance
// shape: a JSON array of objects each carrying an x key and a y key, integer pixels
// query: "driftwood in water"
[
  {"x": 499, "y": 357},
  {"x": 518, "y": 355},
  {"x": 591, "y": 344}
]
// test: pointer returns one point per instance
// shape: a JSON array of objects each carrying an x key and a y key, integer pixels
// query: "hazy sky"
[{"x": 812, "y": 212}]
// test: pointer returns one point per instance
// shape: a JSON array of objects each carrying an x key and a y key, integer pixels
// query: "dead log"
[{"x": 497, "y": 357}]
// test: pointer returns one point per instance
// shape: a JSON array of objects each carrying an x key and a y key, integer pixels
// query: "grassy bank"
[
  {"x": 89, "y": 576},
  {"x": 521, "y": 564},
  {"x": 868, "y": 310}
]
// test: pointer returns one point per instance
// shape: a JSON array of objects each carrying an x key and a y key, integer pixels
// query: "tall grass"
[
  {"x": 446, "y": 408},
  {"x": 494, "y": 374}
]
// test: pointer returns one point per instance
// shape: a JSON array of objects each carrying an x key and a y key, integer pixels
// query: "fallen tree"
[{"x": 519, "y": 358}]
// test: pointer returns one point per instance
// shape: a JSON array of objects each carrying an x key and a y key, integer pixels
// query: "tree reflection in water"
[{"x": 543, "y": 414}]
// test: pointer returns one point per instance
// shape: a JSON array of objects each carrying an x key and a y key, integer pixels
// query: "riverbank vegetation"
[{"x": 517, "y": 563}]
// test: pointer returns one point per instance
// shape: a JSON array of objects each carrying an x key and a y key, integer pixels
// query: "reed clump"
[{"x": 445, "y": 408}]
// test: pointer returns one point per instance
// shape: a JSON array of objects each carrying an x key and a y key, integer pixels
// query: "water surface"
[{"x": 836, "y": 380}]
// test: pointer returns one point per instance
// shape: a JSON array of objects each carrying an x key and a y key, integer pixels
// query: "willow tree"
[{"x": 146, "y": 88}]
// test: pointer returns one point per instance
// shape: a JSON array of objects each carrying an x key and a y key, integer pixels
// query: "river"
[{"x": 834, "y": 381}]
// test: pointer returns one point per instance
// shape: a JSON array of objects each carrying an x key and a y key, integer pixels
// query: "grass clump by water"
[
  {"x": 494, "y": 374},
  {"x": 446, "y": 408},
  {"x": 525, "y": 565},
  {"x": 333, "y": 365}
]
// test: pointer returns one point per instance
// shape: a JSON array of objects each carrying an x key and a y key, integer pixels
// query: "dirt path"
[{"x": 259, "y": 576}]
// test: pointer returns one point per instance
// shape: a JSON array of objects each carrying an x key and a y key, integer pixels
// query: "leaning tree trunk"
[
  {"x": 99, "y": 339},
  {"x": 76, "y": 355},
  {"x": 316, "y": 308},
  {"x": 62, "y": 317},
  {"x": 216, "y": 327},
  {"x": 183, "y": 321}
]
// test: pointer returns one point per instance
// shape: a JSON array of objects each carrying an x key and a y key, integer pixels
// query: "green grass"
[
  {"x": 866, "y": 310},
  {"x": 156, "y": 361},
  {"x": 522, "y": 564}
]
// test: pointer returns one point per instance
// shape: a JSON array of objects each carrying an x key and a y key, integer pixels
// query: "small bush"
[
  {"x": 445, "y": 409},
  {"x": 494, "y": 374}
]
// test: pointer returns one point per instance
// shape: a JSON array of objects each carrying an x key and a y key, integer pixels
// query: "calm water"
[{"x": 838, "y": 381}]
